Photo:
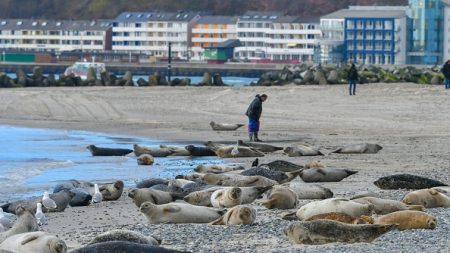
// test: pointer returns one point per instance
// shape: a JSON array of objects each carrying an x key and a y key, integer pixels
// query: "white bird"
[
  {"x": 5, "y": 222},
  {"x": 235, "y": 150},
  {"x": 40, "y": 216},
  {"x": 47, "y": 202},
  {"x": 98, "y": 197}
]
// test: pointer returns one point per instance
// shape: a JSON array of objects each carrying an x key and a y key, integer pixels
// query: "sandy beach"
[{"x": 410, "y": 121}]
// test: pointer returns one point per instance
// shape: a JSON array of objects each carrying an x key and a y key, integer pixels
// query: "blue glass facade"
[
  {"x": 425, "y": 33},
  {"x": 369, "y": 40}
]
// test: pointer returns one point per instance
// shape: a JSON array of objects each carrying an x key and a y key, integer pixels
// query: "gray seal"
[
  {"x": 147, "y": 183},
  {"x": 26, "y": 222},
  {"x": 81, "y": 198},
  {"x": 363, "y": 148},
  {"x": 121, "y": 247},
  {"x": 61, "y": 199},
  {"x": 125, "y": 235},
  {"x": 278, "y": 176},
  {"x": 283, "y": 166},
  {"x": 406, "y": 181},
  {"x": 98, "y": 151},
  {"x": 200, "y": 151}
]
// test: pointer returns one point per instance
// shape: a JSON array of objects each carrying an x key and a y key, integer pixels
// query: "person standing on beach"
[
  {"x": 254, "y": 113},
  {"x": 352, "y": 79},
  {"x": 446, "y": 71}
]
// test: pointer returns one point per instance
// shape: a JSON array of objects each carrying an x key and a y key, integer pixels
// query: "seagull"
[
  {"x": 98, "y": 197},
  {"x": 47, "y": 202},
  {"x": 5, "y": 222},
  {"x": 40, "y": 216},
  {"x": 235, "y": 150},
  {"x": 255, "y": 163}
]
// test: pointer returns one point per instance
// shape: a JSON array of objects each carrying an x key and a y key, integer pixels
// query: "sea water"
[{"x": 35, "y": 160}]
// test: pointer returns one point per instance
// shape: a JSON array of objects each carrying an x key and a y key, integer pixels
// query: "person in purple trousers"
[{"x": 254, "y": 113}]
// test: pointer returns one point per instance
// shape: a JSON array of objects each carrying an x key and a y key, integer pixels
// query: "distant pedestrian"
[
  {"x": 254, "y": 113},
  {"x": 446, "y": 71},
  {"x": 352, "y": 79}
]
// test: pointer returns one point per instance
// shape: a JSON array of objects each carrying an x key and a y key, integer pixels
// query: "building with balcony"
[
  {"x": 446, "y": 33},
  {"x": 151, "y": 32},
  {"x": 209, "y": 31},
  {"x": 330, "y": 48},
  {"x": 55, "y": 36}
]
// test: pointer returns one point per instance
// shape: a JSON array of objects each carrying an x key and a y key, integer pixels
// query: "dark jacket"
[
  {"x": 255, "y": 109},
  {"x": 446, "y": 70},
  {"x": 353, "y": 73}
]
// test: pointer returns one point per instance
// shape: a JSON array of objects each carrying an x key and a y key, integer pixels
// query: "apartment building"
[
  {"x": 151, "y": 32},
  {"x": 57, "y": 36},
  {"x": 330, "y": 49},
  {"x": 446, "y": 33},
  {"x": 209, "y": 31},
  {"x": 273, "y": 36}
]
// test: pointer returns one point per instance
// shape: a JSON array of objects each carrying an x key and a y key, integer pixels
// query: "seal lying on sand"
[
  {"x": 217, "y": 169},
  {"x": 429, "y": 198},
  {"x": 283, "y": 166},
  {"x": 81, "y": 198},
  {"x": 309, "y": 191},
  {"x": 342, "y": 217},
  {"x": 301, "y": 150},
  {"x": 227, "y": 197},
  {"x": 98, "y": 151},
  {"x": 385, "y": 206},
  {"x": 155, "y": 152},
  {"x": 126, "y": 236},
  {"x": 178, "y": 213},
  {"x": 62, "y": 200},
  {"x": 203, "y": 198},
  {"x": 176, "y": 151},
  {"x": 408, "y": 220},
  {"x": 140, "y": 196},
  {"x": 224, "y": 127},
  {"x": 406, "y": 181},
  {"x": 281, "y": 197},
  {"x": 328, "y": 231},
  {"x": 34, "y": 242},
  {"x": 110, "y": 192},
  {"x": 238, "y": 215},
  {"x": 263, "y": 147},
  {"x": 278, "y": 176},
  {"x": 237, "y": 151},
  {"x": 26, "y": 222},
  {"x": 364, "y": 148},
  {"x": 199, "y": 151},
  {"x": 325, "y": 175},
  {"x": 145, "y": 159},
  {"x": 237, "y": 180},
  {"x": 147, "y": 183},
  {"x": 121, "y": 246}
]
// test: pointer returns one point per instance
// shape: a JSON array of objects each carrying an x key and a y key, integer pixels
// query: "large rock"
[
  {"x": 333, "y": 77},
  {"x": 21, "y": 78},
  {"x": 308, "y": 76},
  {"x": 141, "y": 82},
  {"x": 128, "y": 78},
  {"x": 217, "y": 80},
  {"x": 106, "y": 80},
  {"x": 207, "y": 80},
  {"x": 38, "y": 76},
  {"x": 319, "y": 77},
  {"x": 435, "y": 80}
]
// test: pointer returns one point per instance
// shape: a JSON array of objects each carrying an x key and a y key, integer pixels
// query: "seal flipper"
[
  {"x": 291, "y": 216},
  {"x": 29, "y": 239},
  {"x": 219, "y": 221}
]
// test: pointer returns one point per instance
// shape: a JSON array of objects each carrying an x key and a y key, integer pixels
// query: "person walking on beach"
[
  {"x": 254, "y": 113},
  {"x": 446, "y": 71},
  {"x": 352, "y": 79}
]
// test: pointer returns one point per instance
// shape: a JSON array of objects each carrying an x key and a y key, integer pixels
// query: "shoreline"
[{"x": 410, "y": 121}]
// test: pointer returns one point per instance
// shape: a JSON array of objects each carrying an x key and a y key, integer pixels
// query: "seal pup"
[
  {"x": 429, "y": 198},
  {"x": 199, "y": 151},
  {"x": 154, "y": 152},
  {"x": 337, "y": 205},
  {"x": 406, "y": 181},
  {"x": 147, "y": 183},
  {"x": 97, "y": 197},
  {"x": 237, "y": 152},
  {"x": 364, "y": 148},
  {"x": 408, "y": 219},
  {"x": 140, "y": 196},
  {"x": 325, "y": 175},
  {"x": 281, "y": 198},
  {"x": 237, "y": 180},
  {"x": 341, "y": 217},
  {"x": 263, "y": 147},
  {"x": 34, "y": 242},
  {"x": 283, "y": 166},
  {"x": 280, "y": 177},
  {"x": 301, "y": 150},
  {"x": 224, "y": 126},
  {"x": 145, "y": 159},
  {"x": 327, "y": 231},
  {"x": 238, "y": 215},
  {"x": 309, "y": 191},
  {"x": 217, "y": 169},
  {"x": 98, "y": 151},
  {"x": 178, "y": 213},
  {"x": 26, "y": 222},
  {"x": 126, "y": 236},
  {"x": 227, "y": 197},
  {"x": 48, "y": 202},
  {"x": 121, "y": 247},
  {"x": 40, "y": 216},
  {"x": 385, "y": 206}
]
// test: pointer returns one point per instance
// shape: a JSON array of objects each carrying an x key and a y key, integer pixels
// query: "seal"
[
  {"x": 111, "y": 192},
  {"x": 227, "y": 152},
  {"x": 301, "y": 150},
  {"x": 227, "y": 197},
  {"x": 264, "y": 171},
  {"x": 408, "y": 219},
  {"x": 363, "y": 148},
  {"x": 224, "y": 126},
  {"x": 126, "y": 236},
  {"x": 145, "y": 159},
  {"x": 341, "y": 217},
  {"x": 140, "y": 196},
  {"x": 327, "y": 231},
  {"x": 178, "y": 213},
  {"x": 140, "y": 150},
  {"x": 309, "y": 191},
  {"x": 199, "y": 151},
  {"x": 281, "y": 197},
  {"x": 237, "y": 180},
  {"x": 33, "y": 242},
  {"x": 263, "y": 147},
  {"x": 283, "y": 166},
  {"x": 203, "y": 198},
  {"x": 406, "y": 181},
  {"x": 62, "y": 200},
  {"x": 337, "y": 205},
  {"x": 217, "y": 169},
  {"x": 429, "y": 198},
  {"x": 238, "y": 215},
  {"x": 121, "y": 246},
  {"x": 98, "y": 151},
  {"x": 385, "y": 206},
  {"x": 176, "y": 151},
  {"x": 26, "y": 222},
  {"x": 180, "y": 182},
  {"x": 147, "y": 183},
  {"x": 81, "y": 198},
  {"x": 325, "y": 175}
]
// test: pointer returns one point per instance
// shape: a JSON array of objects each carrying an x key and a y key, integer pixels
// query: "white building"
[
  {"x": 150, "y": 33},
  {"x": 47, "y": 35},
  {"x": 209, "y": 31}
]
